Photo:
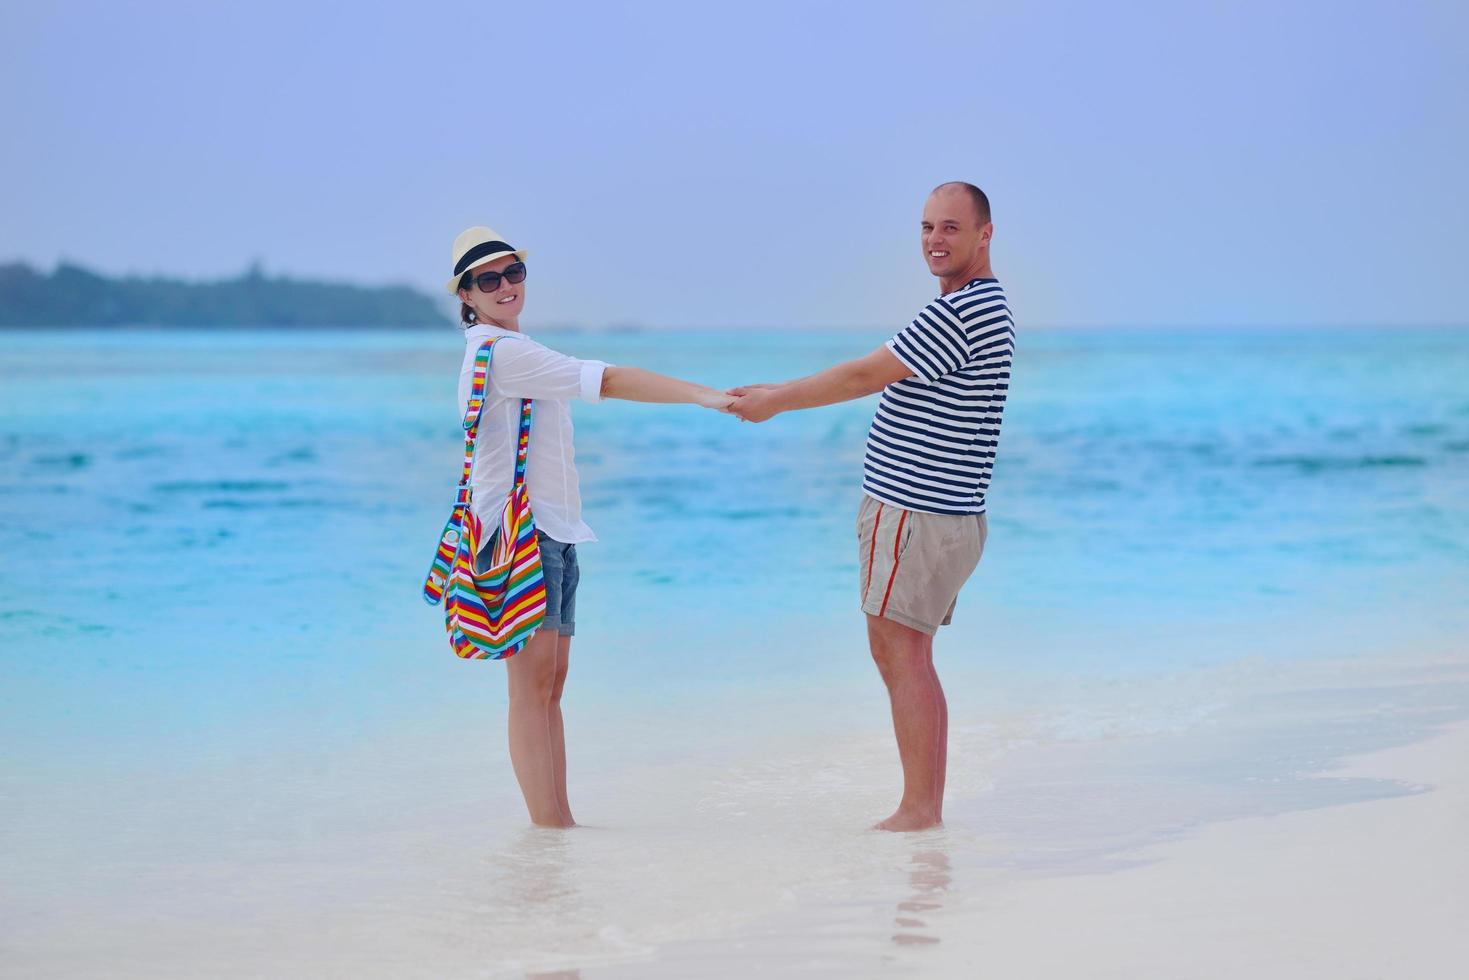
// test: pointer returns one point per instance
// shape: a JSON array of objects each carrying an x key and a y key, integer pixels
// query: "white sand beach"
[
  {"x": 1375, "y": 889},
  {"x": 1233, "y": 847}
]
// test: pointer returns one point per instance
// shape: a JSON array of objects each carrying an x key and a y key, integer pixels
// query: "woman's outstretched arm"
[
  {"x": 528, "y": 370},
  {"x": 636, "y": 385}
]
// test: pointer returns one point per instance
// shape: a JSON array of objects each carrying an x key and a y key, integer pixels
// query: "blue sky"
[{"x": 761, "y": 164}]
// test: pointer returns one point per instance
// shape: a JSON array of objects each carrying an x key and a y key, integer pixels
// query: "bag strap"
[
  {"x": 480, "y": 381},
  {"x": 522, "y": 442},
  {"x": 453, "y": 535}
]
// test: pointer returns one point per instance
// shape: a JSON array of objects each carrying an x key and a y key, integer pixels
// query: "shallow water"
[{"x": 1216, "y": 563}]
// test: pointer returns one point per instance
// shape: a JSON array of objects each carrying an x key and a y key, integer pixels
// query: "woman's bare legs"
[
  {"x": 534, "y": 743},
  {"x": 558, "y": 731}
]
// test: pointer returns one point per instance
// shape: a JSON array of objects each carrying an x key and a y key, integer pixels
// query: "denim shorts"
[{"x": 558, "y": 564}]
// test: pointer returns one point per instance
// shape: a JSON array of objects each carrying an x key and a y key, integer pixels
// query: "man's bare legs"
[
  {"x": 904, "y": 657},
  {"x": 943, "y": 767},
  {"x": 536, "y": 734}
]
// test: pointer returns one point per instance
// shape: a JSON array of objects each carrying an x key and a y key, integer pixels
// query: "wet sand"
[{"x": 1372, "y": 889}]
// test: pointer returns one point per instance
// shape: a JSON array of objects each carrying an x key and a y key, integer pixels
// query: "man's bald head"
[
  {"x": 956, "y": 233},
  {"x": 981, "y": 202}
]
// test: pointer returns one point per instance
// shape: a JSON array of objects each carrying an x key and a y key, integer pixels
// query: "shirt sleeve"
[
  {"x": 934, "y": 344},
  {"x": 521, "y": 369}
]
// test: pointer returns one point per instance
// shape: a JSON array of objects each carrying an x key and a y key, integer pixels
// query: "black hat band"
[{"x": 478, "y": 252}]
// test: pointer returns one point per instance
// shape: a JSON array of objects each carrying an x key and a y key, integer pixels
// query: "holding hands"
[
  {"x": 720, "y": 401},
  {"x": 754, "y": 403},
  {"x": 839, "y": 383}
]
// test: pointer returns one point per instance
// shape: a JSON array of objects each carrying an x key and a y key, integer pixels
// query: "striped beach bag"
[{"x": 489, "y": 615}]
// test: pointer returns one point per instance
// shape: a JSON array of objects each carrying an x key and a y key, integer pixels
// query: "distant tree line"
[{"x": 74, "y": 296}]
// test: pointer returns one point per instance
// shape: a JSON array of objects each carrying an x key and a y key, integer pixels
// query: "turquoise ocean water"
[
  {"x": 230, "y": 509},
  {"x": 211, "y": 545}
]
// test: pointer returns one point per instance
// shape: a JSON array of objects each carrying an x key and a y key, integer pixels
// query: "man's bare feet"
[
  {"x": 557, "y": 823},
  {"x": 908, "y": 820}
]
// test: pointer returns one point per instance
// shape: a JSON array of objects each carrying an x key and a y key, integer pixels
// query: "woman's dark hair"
[{"x": 467, "y": 316}]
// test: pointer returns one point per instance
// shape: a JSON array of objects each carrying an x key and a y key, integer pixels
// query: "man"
[{"x": 922, "y": 526}]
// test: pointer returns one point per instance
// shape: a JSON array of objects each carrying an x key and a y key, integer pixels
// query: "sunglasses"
[{"x": 489, "y": 282}]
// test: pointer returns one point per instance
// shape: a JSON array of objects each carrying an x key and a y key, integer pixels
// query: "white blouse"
[{"x": 521, "y": 368}]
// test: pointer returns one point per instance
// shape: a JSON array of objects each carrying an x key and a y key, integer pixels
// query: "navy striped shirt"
[{"x": 932, "y": 443}]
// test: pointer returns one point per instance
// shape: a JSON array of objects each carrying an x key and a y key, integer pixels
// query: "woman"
[{"x": 489, "y": 278}]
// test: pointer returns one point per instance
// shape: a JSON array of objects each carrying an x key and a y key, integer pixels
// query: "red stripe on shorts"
[
  {"x": 872, "y": 553},
  {"x": 897, "y": 542}
]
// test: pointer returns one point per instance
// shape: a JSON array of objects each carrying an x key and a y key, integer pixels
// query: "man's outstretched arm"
[{"x": 841, "y": 383}]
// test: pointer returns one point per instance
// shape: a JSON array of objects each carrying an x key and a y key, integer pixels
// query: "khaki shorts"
[{"x": 913, "y": 564}]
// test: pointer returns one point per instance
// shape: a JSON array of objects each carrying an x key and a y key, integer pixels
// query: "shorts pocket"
[
  {"x": 864, "y": 515},
  {"x": 909, "y": 528}
]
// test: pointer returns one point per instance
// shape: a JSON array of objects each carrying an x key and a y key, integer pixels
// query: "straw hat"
[{"x": 476, "y": 246}]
